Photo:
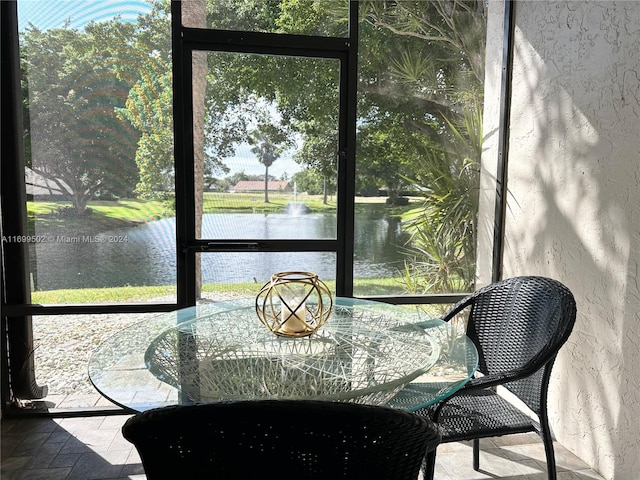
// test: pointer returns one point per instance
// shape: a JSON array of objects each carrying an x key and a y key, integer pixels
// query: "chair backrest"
[
  {"x": 518, "y": 326},
  {"x": 281, "y": 439}
]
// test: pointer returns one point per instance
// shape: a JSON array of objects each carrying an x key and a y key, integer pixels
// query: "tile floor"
[{"x": 84, "y": 448}]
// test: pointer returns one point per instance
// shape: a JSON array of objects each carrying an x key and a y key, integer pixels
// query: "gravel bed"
[{"x": 63, "y": 345}]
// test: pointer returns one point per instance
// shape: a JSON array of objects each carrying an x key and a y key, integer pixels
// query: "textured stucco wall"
[{"x": 574, "y": 210}]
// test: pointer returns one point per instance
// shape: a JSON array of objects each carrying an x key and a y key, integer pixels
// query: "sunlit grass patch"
[
  {"x": 254, "y": 202},
  {"x": 130, "y": 294},
  {"x": 131, "y": 210},
  {"x": 101, "y": 295}
]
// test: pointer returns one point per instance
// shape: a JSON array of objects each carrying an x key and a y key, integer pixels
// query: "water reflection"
[
  {"x": 252, "y": 226},
  {"x": 145, "y": 255}
]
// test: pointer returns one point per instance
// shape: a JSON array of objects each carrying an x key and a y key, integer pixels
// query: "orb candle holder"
[{"x": 294, "y": 304}]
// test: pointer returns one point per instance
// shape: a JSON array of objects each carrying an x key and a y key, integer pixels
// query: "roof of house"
[
  {"x": 36, "y": 184},
  {"x": 258, "y": 185}
]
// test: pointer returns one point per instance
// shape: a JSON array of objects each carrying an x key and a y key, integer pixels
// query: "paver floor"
[{"x": 83, "y": 448}]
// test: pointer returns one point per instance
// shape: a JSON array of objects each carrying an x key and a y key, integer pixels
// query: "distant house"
[
  {"x": 248, "y": 186},
  {"x": 42, "y": 188}
]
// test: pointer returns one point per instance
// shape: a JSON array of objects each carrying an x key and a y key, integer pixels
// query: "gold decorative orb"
[{"x": 294, "y": 304}]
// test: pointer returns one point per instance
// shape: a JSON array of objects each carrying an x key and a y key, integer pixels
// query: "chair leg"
[
  {"x": 429, "y": 465},
  {"x": 476, "y": 454},
  {"x": 550, "y": 454}
]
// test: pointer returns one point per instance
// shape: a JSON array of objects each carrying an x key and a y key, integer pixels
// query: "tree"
[
  {"x": 430, "y": 97},
  {"x": 443, "y": 230},
  {"x": 149, "y": 104},
  {"x": 74, "y": 137},
  {"x": 313, "y": 183},
  {"x": 387, "y": 157},
  {"x": 268, "y": 143},
  {"x": 238, "y": 86},
  {"x": 456, "y": 28},
  {"x": 436, "y": 73},
  {"x": 410, "y": 108},
  {"x": 319, "y": 153},
  {"x": 148, "y": 110}
]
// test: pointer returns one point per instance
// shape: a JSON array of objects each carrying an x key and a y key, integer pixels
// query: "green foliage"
[
  {"x": 73, "y": 136},
  {"x": 319, "y": 154},
  {"x": 387, "y": 152},
  {"x": 423, "y": 114},
  {"x": 149, "y": 104},
  {"x": 326, "y": 18},
  {"x": 148, "y": 109},
  {"x": 141, "y": 293},
  {"x": 101, "y": 295},
  {"x": 443, "y": 230},
  {"x": 313, "y": 182},
  {"x": 246, "y": 15},
  {"x": 104, "y": 215},
  {"x": 453, "y": 30},
  {"x": 215, "y": 202}
]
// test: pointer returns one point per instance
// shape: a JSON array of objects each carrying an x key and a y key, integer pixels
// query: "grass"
[
  {"x": 52, "y": 217},
  {"x": 254, "y": 203},
  {"x": 134, "y": 211},
  {"x": 101, "y": 295},
  {"x": 128, "y": 294}
]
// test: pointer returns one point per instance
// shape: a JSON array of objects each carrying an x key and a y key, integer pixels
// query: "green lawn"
[
  {"x": 102, "y": 215},
  {"x": 133, "y": 211},
  {"x": 101, "y": 295},
  {"x": 107, "y": 215},
  {"x": 378, "y": 286},
  {"x": 254, "y": 203}
]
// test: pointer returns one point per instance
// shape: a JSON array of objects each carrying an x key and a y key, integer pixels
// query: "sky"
[
  {"x": 247, "y": 162},
  {"x": 46, "y": 14}
]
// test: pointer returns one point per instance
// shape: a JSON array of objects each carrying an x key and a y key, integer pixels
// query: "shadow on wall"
[{"x": 574, "y": 210}]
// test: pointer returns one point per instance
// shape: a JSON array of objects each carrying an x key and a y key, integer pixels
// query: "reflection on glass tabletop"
[{"x": 367, "y": 352}]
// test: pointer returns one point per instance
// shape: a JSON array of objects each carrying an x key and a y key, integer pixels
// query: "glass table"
[{"x": 367, "y": 352}]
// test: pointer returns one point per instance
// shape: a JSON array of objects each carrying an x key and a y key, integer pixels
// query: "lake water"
[{"x": 145, "y": 254}]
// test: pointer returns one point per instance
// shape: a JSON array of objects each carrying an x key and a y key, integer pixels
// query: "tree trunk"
[
  {"x": 266, "y": 184},
  {"x": 324, "y": 191}
]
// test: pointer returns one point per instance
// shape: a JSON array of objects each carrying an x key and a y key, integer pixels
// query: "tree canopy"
[{"x": 73, "y": 135}]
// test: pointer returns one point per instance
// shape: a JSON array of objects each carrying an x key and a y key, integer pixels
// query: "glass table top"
[{"x": 367, "y": 352}]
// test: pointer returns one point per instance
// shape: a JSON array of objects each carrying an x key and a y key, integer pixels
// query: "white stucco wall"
[{"x": 573, "y": 209}]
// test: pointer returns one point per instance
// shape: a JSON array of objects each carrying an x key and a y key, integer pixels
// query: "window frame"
[
  {"x": 189, "y": 39},
  {"x": 17, "y": 308}
]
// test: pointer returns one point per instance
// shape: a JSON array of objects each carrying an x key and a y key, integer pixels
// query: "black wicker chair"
[
  {"x": 518, "y": 325},
  {"x": 281, "y": 439}
]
